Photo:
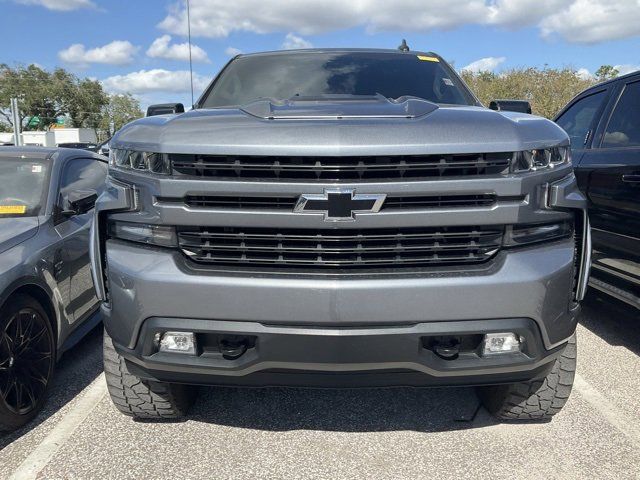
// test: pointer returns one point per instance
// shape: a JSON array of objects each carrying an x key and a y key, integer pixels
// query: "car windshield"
[
  {"x": 283, "y": 76},
  {"x": 24, "y": 186}
]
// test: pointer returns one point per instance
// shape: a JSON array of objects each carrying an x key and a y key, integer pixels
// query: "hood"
[
  {"x": 340, "y": 126},
  {"x": 14, "y": 231}
]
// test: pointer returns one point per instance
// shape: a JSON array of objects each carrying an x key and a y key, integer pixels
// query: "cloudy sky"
[{"x": 139, "y": 46}]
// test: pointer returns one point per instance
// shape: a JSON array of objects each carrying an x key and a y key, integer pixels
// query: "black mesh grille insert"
[
  {"x": 378, "y": 168},
  {"x": 345, "y": 248}
]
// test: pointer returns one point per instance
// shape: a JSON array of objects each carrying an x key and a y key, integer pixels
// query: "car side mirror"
[
  {"x": 78, "y": 202},
  {"x": 164, "y": 109},
  {"x": 522, "y": 106}
]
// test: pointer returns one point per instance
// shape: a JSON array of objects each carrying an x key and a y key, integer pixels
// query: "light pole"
[{"x": 15, "y": 116}]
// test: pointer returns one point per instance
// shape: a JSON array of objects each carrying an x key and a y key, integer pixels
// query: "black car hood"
[{"x": 14, "y": 231}]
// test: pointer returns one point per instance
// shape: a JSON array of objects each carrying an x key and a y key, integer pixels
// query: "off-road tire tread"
[
  {"x": 536, "y": 400},
  {"x": 139, "y": 398}
]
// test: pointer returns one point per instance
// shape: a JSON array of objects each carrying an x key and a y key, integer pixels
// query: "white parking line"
[
  {"x": 61, "y": 433},
  {"x": 608, "y": 410}
]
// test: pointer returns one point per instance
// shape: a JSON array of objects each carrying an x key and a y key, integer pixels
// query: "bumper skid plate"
[{"x": 256, "y": 354}]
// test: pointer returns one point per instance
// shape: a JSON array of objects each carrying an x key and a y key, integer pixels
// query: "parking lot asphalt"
[{"x": 370, "y": 433}]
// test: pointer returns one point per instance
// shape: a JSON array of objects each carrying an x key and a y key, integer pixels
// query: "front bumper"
[{"x": 339, "y": 325}]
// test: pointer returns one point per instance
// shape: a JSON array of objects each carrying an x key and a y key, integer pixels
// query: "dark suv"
[{"x": 604, "y": 125}]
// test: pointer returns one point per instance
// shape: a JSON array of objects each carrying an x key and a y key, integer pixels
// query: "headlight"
[
  {"x": 531, "y": 160},
  {"x": 141, "y": 161},
  {"x": 160, "y": 235}
]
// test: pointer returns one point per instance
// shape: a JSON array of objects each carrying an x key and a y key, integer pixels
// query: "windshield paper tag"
[
  {"x": 13, "y": 209},
  {"x": 36, "y": 168},
  {"x": 427, "y": 59}
]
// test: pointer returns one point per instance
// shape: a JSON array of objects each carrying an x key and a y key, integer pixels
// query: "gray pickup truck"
[{"x": 340, "y": 218}]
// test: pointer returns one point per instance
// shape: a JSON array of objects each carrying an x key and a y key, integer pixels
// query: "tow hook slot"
[
  {"x": 450, "y": 347},
  {"x": 232, "y": 349},
  {"x": 447, "y": 351}
]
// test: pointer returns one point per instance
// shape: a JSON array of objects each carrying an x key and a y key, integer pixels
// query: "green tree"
[
  {"x": 548, "y": 89},
  {"x": 120, "y": 110},
  {"x": 44, "y": 96},
  {"x": 36, "y": 93},
  {"x": 85, "y": 109},
  {"x": 606, "y": 72}
]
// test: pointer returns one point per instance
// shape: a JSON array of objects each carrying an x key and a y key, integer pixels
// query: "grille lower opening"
[{"x": 340, "y": 248}]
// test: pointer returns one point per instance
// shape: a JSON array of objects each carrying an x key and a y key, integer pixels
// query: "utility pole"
[
  {"x": 190, "y": 61},
  {"x": 15, "y": 116}
]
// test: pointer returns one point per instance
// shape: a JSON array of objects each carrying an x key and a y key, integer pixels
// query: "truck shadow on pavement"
[
  {"x": 77, "y": 368},
  {"x": 343, "y": 410},
  {"x": 615, "y": 322}
]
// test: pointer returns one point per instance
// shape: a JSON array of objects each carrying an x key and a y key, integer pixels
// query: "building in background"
[{"x": 53, "y": 137}]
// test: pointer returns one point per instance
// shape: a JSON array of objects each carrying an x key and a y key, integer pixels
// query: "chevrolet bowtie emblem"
[{"x": 339, "y": 204}]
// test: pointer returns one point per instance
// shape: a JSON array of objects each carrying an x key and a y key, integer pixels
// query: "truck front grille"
[
  {"x": 351, "y": 168},
  {"x": 288, "y": 203},
  {"x": 370, "y": 248}
]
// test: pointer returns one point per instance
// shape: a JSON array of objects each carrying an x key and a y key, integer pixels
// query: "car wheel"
[
  {"x": 536, "y": 400},
  {"x": 27, "y": 360},
  {"x": 140, "y": 398}
]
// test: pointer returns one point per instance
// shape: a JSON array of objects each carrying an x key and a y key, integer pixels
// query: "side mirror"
[
  {"x": 522, "y": 106},
  {"x": 164, "y": 109},
  {"x": 78, "y": 202}
]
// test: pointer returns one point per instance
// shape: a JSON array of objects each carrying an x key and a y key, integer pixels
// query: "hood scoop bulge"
[{"x": 339, "y": 107}]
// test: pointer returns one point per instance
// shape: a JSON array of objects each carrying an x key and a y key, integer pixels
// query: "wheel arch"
[{"x": 40, "y": 293}]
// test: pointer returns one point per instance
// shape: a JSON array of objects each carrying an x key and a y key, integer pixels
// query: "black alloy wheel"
[{"x": 27, "y": 360}]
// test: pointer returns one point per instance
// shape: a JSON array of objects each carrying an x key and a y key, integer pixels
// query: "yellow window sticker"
[
  {"x": 13, "y": 209},
  {"x": 428, "y": 59}
]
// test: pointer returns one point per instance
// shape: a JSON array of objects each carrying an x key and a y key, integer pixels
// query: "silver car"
[{"x": 47, "y": 299}]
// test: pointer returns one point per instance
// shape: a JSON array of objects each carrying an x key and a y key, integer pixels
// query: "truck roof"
[{"x": 339, "y": 50}]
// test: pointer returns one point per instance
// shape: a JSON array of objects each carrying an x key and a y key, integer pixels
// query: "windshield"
[
  {"x": 23, "y": 187},
  {"x": 283, "y": 76}
]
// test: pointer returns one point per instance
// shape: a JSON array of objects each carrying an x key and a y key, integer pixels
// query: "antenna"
[
  {"x": 190, "y": 60},
  {"x": 403, "y": 46}
]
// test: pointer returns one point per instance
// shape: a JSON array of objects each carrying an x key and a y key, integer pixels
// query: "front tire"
[
  {"x": 536, "y": 400},
  {"x": 139, "y": 398},
  {"x": 27, "y": 360}
]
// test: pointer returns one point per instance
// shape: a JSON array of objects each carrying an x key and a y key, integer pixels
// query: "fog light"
[
  {"x": 181, "y": 342},
  {"x": 500, "y": 343}
]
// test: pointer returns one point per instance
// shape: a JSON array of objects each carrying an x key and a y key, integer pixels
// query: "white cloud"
[
  {"x": 626, "y": 68},
  {"x": 218, "y": 18},
  {"x": 292, "y": 41},
  {"x": 156, "y": 80},
  {"x": 592, "y": 21},
  {"x": 581, "y": 21},
  {"x": 584, "y": 74},
  {"x": 60, "y": 5},
  {"x": 519, "y": 13},
  {"x": 118, "y": 52},
  {"x": 487, "y": 64},
  {"x": 232, "y": 51},
  {"x": 162, "y": 48}
]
